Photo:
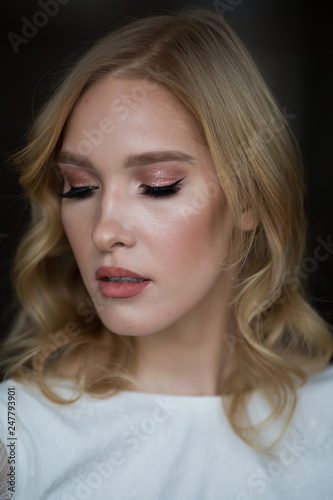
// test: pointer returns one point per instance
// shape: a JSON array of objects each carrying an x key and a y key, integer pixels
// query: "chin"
[
  {"x": 138, "y": 326},
  {"x": 127, "y": 327}
]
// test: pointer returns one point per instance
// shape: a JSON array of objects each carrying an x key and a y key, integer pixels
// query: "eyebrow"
[
  {"x": 135, "y": 160},
  {"x": 141, "y": 159},
  {"x": 65, "y": 157}
]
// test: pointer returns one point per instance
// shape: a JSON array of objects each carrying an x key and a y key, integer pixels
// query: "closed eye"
[
  {"x": 159, "y": 191},
  {"x": 154, "y": 191},
  {"x": 78, "y": 192}
]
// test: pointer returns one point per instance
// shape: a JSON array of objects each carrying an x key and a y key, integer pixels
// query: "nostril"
[
  {"x": 118, "y": 244},
  {"x": 110, "y": 235}
]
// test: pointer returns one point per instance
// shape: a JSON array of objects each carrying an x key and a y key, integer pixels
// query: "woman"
[{"x": 164, "y": 342}]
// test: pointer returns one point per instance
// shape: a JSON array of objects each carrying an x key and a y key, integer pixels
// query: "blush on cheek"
[
  {"x": 202, "y": 230},
  {"x": 182, "y": 240}
]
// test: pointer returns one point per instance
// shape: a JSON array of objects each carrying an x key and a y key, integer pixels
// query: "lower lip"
[{"x": 121, "y": 290}]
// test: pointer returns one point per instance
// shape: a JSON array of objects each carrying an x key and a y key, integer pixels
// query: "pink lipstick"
[{"x": 118, "y": 282}]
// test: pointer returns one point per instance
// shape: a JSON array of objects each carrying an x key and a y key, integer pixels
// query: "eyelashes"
[
  {"x": 153, "y": 191},
  {"x": 160, "y": 191},
  {"x": 78, "y": 192}
]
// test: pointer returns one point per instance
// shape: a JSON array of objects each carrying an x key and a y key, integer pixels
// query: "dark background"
[{"x": 290, "y": 41}]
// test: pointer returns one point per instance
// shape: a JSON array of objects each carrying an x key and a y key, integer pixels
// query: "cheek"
[
  {"x": 75, "y": 229},
  {"x": 193, "y": 235}
]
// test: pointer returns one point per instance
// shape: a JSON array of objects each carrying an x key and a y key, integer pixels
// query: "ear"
[{"x": 248, "y": 221}]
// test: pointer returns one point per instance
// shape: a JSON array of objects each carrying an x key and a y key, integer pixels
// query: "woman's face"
[{"x": 143, "y": 196}]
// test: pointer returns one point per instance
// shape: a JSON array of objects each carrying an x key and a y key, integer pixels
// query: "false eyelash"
[
  {"x": 154, "y": 191},
  {"x": 159, "y": 191},
  {"x": 78, "y": 192}
]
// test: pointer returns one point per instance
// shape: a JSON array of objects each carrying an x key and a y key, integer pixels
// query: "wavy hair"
[{"x": 280, "y": 339}]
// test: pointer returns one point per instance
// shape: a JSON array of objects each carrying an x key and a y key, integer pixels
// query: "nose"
[{"x": 111, "y": 227}]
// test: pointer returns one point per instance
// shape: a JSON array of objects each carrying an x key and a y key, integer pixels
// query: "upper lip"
[{"x": 116, "y": 272}]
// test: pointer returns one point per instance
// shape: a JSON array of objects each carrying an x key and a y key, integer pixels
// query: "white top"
[{"x": 141, "y": 446}]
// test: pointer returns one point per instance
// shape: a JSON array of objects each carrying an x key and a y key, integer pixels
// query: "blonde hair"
[{"x": 280, "y": 339}]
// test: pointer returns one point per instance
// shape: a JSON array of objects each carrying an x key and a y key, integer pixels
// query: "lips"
[
  {"x": 104, "y": 272},
  {"x": 118, "y": 282}
]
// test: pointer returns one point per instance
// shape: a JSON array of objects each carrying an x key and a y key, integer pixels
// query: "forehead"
[{"x": 115, "y": 104}]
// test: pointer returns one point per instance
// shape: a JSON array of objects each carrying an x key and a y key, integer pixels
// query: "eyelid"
[
  {"x": 166, "y": 185},
  {"x": 160, "y": 191},
  {"x": 154, "y": 191}
]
